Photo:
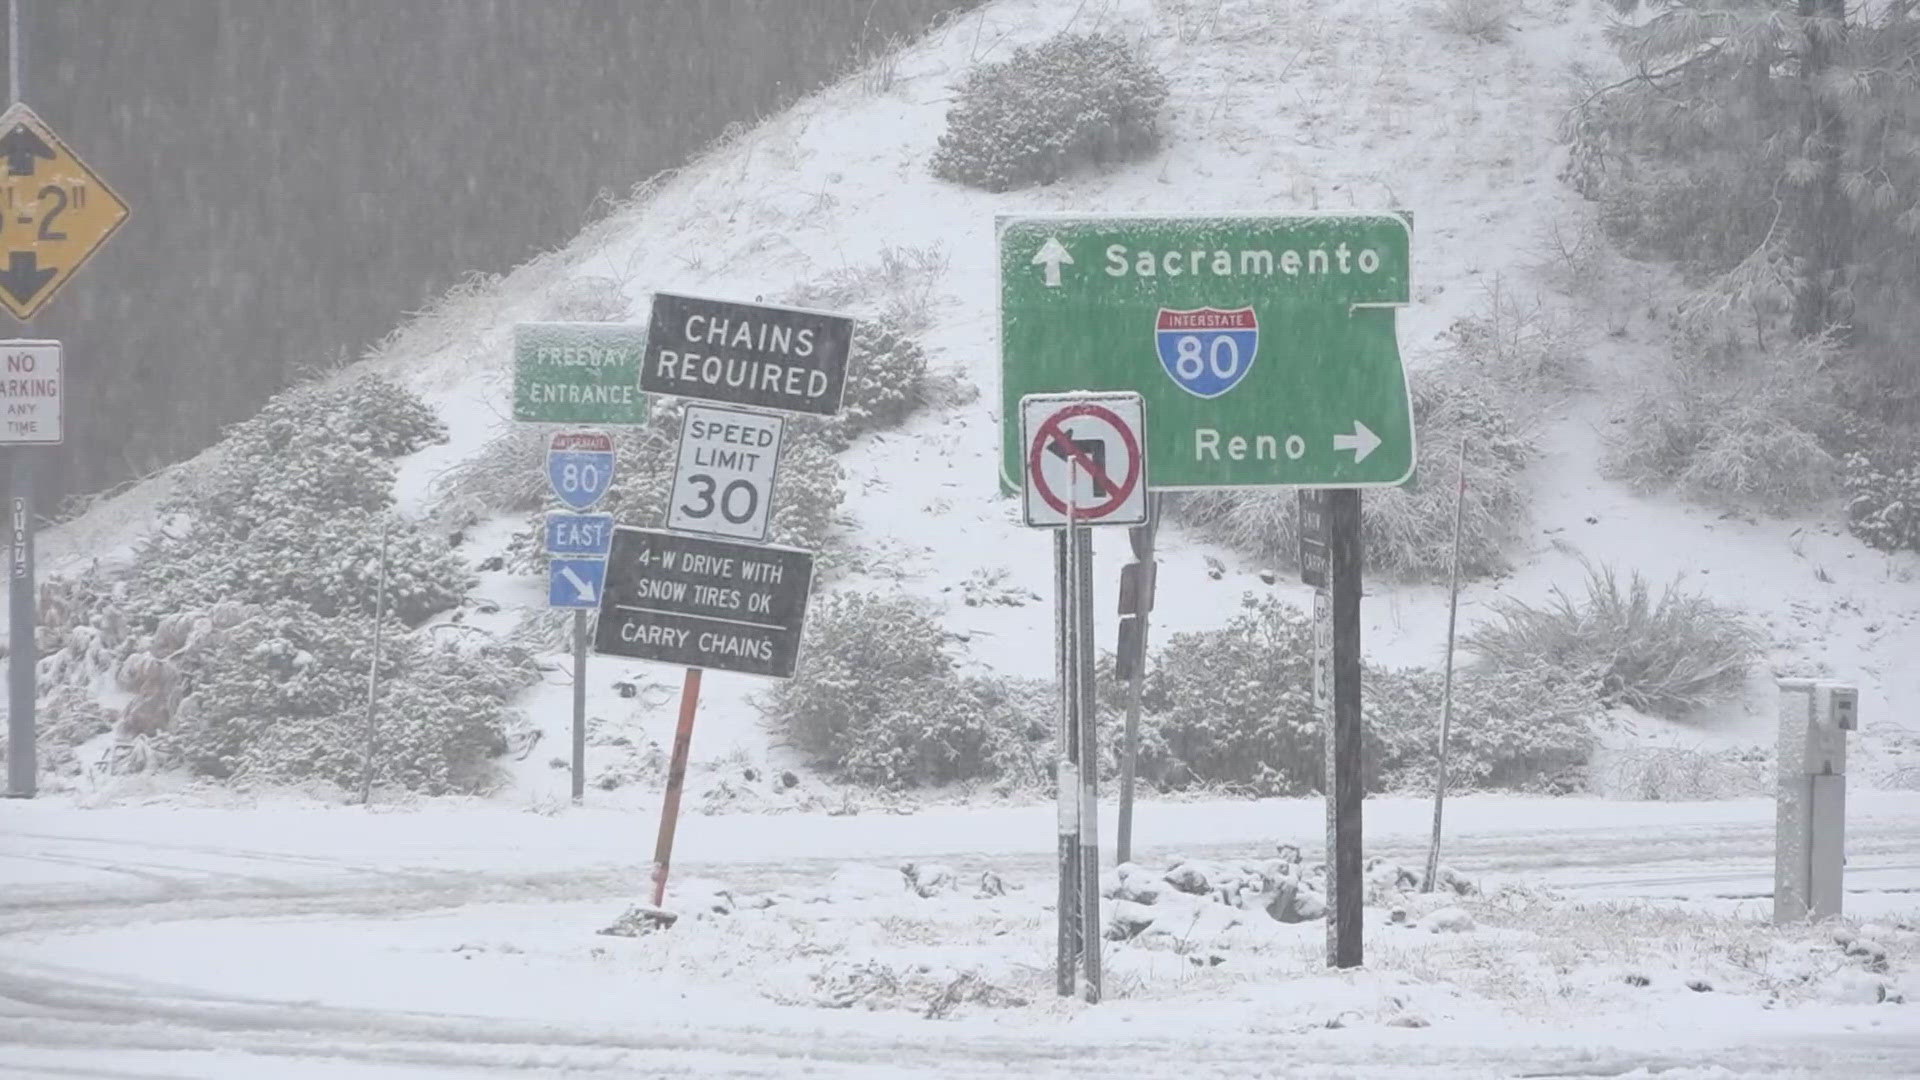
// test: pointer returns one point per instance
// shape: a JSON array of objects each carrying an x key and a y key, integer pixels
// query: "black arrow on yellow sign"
[
  {"x": 20, "y": 146},
  {"x": 24, "y": 277}
]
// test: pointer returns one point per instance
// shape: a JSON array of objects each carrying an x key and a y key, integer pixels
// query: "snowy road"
[{"x": 187, "y": 943}]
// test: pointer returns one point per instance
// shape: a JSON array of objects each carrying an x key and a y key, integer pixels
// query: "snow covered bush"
[
  {"x": 1665, "y": 657},
  {"x": 329, "y": 562},
  {"x": 1234, "y": 706},
  {"x": 281, "y": 696},
  {"x": 1482, "y": 20},
  {"x": 879, "y": 699},
  {"x": 1049, "y": 108},
  {"x": 885, "y": 378},
  {"x": 289, "y": 510},
  {"x": 1726, "y": 426},
  {"x": 1511, "y": 730},
  {"x": 1883, "y": 496}
]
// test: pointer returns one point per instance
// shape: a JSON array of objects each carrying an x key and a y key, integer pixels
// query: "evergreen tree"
[{"x": 1773, "y": 148}]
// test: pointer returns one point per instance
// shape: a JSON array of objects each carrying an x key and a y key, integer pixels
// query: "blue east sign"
[{"x": 579, "y": 534}]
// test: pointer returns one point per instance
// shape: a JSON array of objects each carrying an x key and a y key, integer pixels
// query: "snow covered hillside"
[{"x": 1276, "y": 105}]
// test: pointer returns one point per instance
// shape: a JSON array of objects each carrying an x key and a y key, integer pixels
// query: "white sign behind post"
[
  {"x": 31, "y": 393},
  {"x": 723, "y": 480},
  {"x": 1086, "y": 452}
]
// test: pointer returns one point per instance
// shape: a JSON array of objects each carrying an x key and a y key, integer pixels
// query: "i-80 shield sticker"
[{"x": 1207, "y": 351}]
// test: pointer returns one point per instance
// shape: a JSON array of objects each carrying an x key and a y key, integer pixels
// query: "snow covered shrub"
[
  {"x": 884, "y": 379},
  {"x": 1482, "y": 20},
  {"x": 878, "y": 699},
  {"x": 1235, "y": 705},
  {"x": 288, "y": 510},
  {"x": 1665, "y": 657},
  {"x": 1407, "y": 531},
  {"x": 441, "y": 724},
  {"x": 65, "y": 719},
  {"x": 1883, "y": 496},
  {"x": 281, "y": 696},
  {"x": 1049, "y": 108},
  {"x": 1684, "y": 774},
  {"x": 329, "y": 562},
  {"x": 379, "y": 415},
  {"x": 505, "y": 476},
  {"x": 1724, "y": 426},
  {"x": 900, "y": 287},
  {"x": 1511, "y": 730},
  {"x": 269, "y": 693}
]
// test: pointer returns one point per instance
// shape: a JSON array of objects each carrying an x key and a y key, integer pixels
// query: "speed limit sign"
[{"x": 723, "y": 481}]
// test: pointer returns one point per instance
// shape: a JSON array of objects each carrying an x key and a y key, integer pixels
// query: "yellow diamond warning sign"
[{"x": 53, "y": 212}]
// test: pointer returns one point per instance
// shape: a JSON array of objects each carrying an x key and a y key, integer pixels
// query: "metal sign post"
[
  {"x": 580, "y": 471},
  {"x": 32, "y": 390},
  {"x": 1085, "y": 465},
  {"x": 1066, "y": 771},
  {"x": 59, "y": 212}
]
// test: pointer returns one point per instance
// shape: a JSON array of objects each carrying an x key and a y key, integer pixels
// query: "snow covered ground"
[
  {"x": 147, "y": 931},
  {"x": 291, "y": 940}
]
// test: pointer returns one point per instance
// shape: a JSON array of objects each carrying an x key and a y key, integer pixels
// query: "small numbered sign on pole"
[
  {"x": 580, "y": 467},
  {"x": 723, "y": 481},
  {"x": 1084, "y": 453}
]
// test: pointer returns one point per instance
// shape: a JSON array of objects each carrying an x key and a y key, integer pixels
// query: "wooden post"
[
  {"x": 676, "y": 779},
  {"x": 1346, "y": 887}
]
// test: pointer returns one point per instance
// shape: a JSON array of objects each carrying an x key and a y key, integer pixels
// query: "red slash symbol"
[{"x": 1091, "y": 454}]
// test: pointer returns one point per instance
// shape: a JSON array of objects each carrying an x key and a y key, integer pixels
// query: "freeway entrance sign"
[
  {"x": 578, "y": 373},
  {"x": 704, "y": 603},
  {"x": 1263, "y": 345},
  {"x": 57, "y": 212}
]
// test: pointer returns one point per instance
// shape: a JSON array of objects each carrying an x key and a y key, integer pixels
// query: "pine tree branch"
[{"x": 1650, "y": 78}]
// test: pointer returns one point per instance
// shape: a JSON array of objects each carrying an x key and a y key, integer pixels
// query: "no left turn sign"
[{"x": 1085, "y": 453}]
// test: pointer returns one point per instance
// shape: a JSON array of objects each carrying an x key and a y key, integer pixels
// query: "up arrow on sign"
[{"x": 1052, "y": 255}]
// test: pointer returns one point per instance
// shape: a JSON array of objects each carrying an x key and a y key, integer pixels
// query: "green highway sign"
[
  {"x": 578, "y": 373},
  {"x": 1263, "y": 344}
]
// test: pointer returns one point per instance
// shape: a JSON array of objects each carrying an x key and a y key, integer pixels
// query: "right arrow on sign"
[
  {"x": 1362, "y": 442},
  {"x": 1051, "y": 255}
]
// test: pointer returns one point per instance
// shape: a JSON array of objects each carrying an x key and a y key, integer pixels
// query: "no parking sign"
[{"x": 1085, "y": 459}]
